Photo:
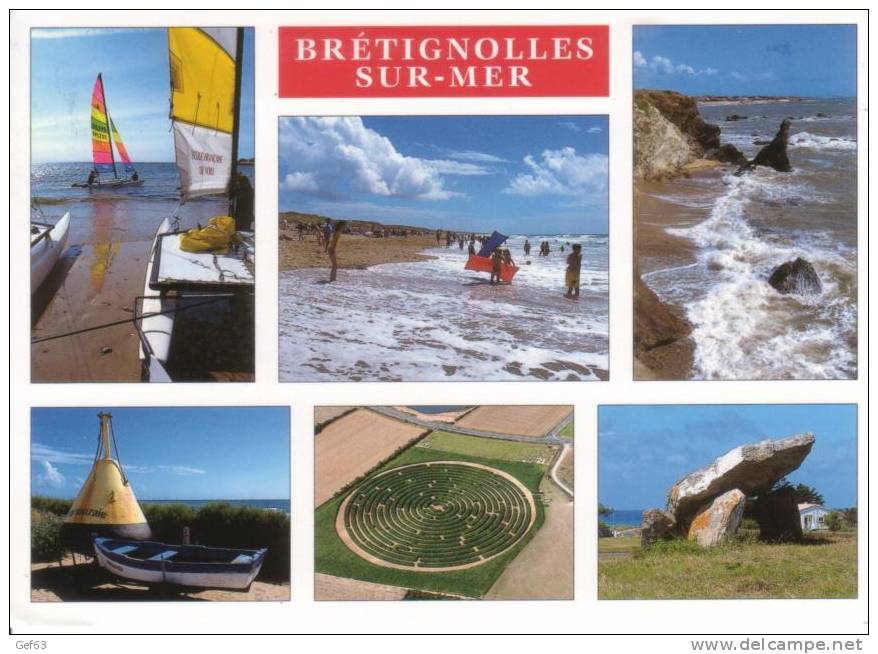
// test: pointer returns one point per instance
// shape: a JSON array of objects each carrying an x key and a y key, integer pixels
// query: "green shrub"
[
  {"x": 45, "y": 536},
  {"x": 604, "y": 530},
  {"x": 50, "y": 504}
]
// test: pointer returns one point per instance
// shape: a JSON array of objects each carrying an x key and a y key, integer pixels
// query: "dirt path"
[
  {"x": 354, "y": 444},
  {"x": 544, "y": 569}
]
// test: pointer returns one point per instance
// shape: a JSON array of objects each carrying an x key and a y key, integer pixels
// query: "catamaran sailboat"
[
  {"x": 104, "y": 136},
  {"x": 195, "y": 319}
]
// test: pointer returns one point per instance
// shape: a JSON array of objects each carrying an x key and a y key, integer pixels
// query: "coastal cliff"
[{"x": 670, "y": 134}]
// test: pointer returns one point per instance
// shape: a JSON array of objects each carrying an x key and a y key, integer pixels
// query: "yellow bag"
[{"x": 214, "y": 237}]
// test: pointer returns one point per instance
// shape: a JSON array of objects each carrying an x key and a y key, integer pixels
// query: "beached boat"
[
  {"x": 104, "y": 136},
  {"x": 47, "y": 242},
  {"x": 195, "y": 319},
  {"x": 481, "y": 262},
  {"x": 190, "y": 566}
]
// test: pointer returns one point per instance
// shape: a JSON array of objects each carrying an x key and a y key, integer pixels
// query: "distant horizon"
[{"x": 182, "y": 499}]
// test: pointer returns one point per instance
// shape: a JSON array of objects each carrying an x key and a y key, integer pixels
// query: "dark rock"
[
  {"x": 778, "y": 516},
  {"x": 752, "y": 468},
  {"x": 773, "y": 155},
  {"x": 656, "y": 525},
  {"x": 798, "y": 277},
  {"x": 761, "y": 142},
  {"x": 820, "y": 114},
  {"x": 734, "y": 117},
  {"x": 654, "y": 324},
  {"x": 728, "y": 153}
]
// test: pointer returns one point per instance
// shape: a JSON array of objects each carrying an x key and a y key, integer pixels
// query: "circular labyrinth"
[{"x": 437, "y": 516}]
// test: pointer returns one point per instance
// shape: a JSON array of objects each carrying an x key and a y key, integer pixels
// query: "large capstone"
[
  {"x": 656, "y": 525},
  {"x": 797, "y": 276},
  {"x": 753, "y": 469},
  {"x": 718, "y": 520}
]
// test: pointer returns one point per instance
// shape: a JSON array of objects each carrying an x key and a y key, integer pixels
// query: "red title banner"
[{"x": 400, "y": 61}]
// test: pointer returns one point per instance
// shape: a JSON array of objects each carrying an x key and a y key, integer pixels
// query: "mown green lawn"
[
  {"x": 487, "y": 448},
  {"x": 333, "y": 557},
  {"x": 825, "y": 566}
]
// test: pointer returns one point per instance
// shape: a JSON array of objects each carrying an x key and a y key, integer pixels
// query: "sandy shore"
[
  {"x": 354, "y": 251},
  {"x": 656, "y": 249},
  {"x": 84, "y": 582}
]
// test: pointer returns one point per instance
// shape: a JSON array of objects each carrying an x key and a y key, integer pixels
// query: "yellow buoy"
[{"x": 106, "y": 505}]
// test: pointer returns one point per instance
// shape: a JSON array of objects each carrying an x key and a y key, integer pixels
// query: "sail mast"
[
  {"x": 109, "y": 131},
  {"x": 233, "y": 178}
]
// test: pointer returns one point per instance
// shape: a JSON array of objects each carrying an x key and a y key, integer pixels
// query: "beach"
[
  {"x": 405, "y": 309},
  {"x": 101, "y": 271},
  {"x": 82, "y": 581},
  {"x": 707, "y": 241}
]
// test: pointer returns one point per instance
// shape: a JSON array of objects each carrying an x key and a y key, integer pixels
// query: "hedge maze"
[{"x": 435, "y": 516}]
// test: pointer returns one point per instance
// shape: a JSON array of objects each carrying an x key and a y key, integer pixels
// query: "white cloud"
[
  {"x": 573, "y": 127},
  {"x": 50, "y": 476},
  {"x": 561, "y": 172},
  {"x": 594, "y": 130},
  {"x": 325, "y": 154},
  {"x": 48, "y": 454},
  {"x": 302, "y": 182},
  {"x": 182, "y": 470},
  {"x": 664, "y": 66},
  {"x": 472, "y": 155}
]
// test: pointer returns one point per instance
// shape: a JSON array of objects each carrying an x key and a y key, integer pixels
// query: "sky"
[
  {"x": 134, "y": 64},
  {"x": 515, "y": 174},
  {"x": 644, "y": 450},
  {"x": 801, "y": 60},
  {"x": 203, "y": 453}
]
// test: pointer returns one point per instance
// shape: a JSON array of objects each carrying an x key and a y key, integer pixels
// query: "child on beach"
[
  {"x": 496, "y": 261},
  {"x": 332, "y": 247},
  {"x": 574, "y": 264}
]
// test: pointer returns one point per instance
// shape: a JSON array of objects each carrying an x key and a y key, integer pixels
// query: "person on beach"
[
  {"x": 574, "y": 265},
  {"x": 526, "y": 248},
  {"x": 507, "y": 258},
  {"x": 135, "y": 176},
  {"x": 438, "y": 237},
  {"x": 496, "y": 263},
  {"x": 332, "y": 247},
  {"x": 472, "y": 248},
  {"x": 92, "y": 177},
  {"x": 327, "y": 235}
]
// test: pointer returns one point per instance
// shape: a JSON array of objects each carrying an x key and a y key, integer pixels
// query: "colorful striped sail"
[
  {"x": 120, "y": 148},
  {"x": 203, "y": 94},
  {"x": 101, "y": 147}
]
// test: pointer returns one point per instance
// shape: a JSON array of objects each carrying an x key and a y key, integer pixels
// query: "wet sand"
[
  {"x": 84, "y": 582},
  {"x": 656, "y": 249},
  {"x": 95, "y": 282},
  {"x": 354, "y": 251}
]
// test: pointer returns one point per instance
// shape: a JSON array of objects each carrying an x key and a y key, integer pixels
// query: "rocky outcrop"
[
  {"x": 660, "y": 148},
  {"x": 774, "y": 154},
  {"x": 752, "y": 469},
  {"x": 670, "y": 133},
  {"x": 718, "y": 520},
  {"x": 656, "y": 525},
  {"x": 778, "y": 516},
  {"x": 654, "y": 324},
  {"x": 797, "y": 276}
]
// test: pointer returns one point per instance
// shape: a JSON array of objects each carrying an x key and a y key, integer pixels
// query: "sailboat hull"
[
  {"x": 46, "y": 250},
  {"x": 116, "y": 183},
  {"x": 157, "y": 325}
]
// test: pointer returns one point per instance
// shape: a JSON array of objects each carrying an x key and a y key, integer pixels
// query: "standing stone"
[
  {"x": 656, "y": 525},
  {"x": 778, "y": 516},
  {"x": 753, "y": 469},
  {"x": 718, "y": 519},
  {"x": 773, "y": 155}
]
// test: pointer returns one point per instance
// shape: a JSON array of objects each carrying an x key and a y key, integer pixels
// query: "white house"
[{"x": 813, "y": 516}]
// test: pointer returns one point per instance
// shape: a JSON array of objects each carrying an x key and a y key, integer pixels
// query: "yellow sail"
[{"x": 203, "y": 92}]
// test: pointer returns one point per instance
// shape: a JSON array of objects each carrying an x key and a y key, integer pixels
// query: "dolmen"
[{"x": 707, "y": 505}]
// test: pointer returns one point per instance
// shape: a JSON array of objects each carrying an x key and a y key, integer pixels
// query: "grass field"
[
  {"x": 825, "y": 566},
  {"x": 333, "y": 557},
  {"x": 567, "y": 432},
  {"x": 487, "y": 448}
]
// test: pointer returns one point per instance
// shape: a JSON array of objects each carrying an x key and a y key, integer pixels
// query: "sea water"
[
  {"x": 434, "y": 321},
  {"x": 743, "y": 328}
]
